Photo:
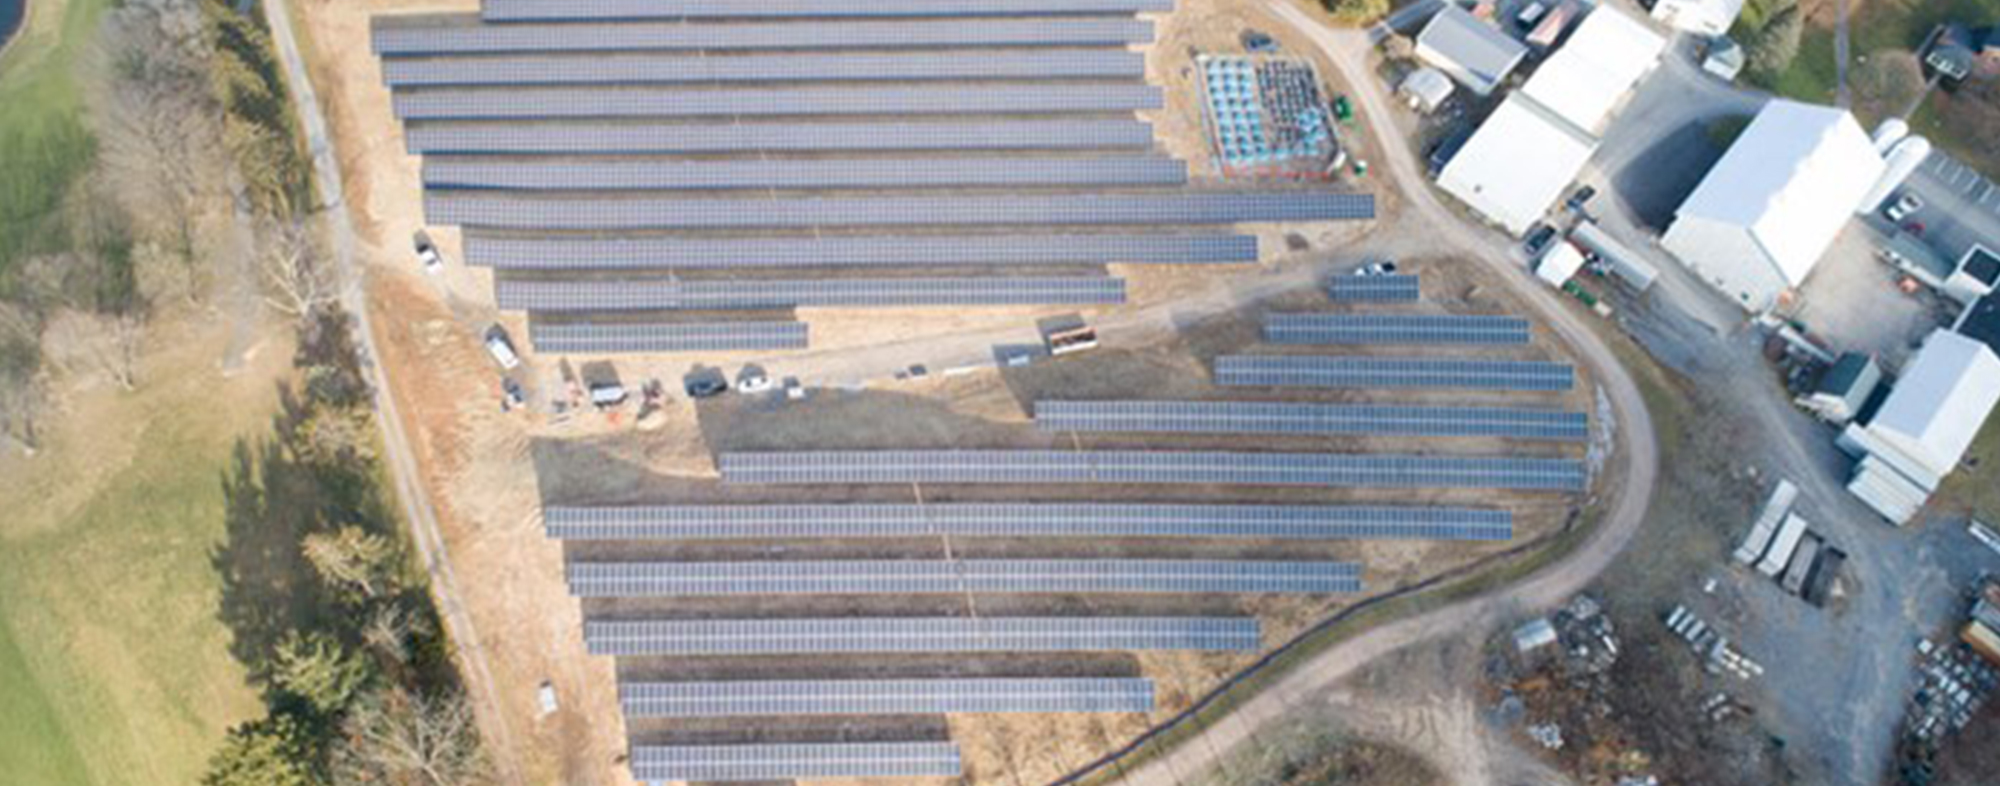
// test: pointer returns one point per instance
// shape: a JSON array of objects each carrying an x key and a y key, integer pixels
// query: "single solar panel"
[
  {"x": 768, "y": 698},
  {"x": 535, "y": 103},
  {"x": 1024, "y": 519},
  {"x": 1166, "y": 467},
  {"x": 530, "y": 210},
  {"x": 918, "y": 634},
  {"x": 794, "y": 761},
  {"x": 456, "y": 35},
  {"x": 685, "y": 69},
  {"x": 931, "y": 577},
  {"x": 1382, "y": 288},
  {"x": 1266, "y": 417},
  {"x": 580, "y": 252},
  {"x": 820, "y": 173},
  {"x": 696, "y": 138},
  {"x": 654, "y": 295},
  {"x": 608, "y": 338},
  {"x": 1357, "y": 372},
  {"x": 519, "y": 10},
  {"x": 1470, "y": 329}
]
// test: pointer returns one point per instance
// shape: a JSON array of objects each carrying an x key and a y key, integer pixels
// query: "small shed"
[
  {"x": 1724, "y": 58},
  {"x": 1560, "y": 263},
  {"x": 1844, "y": 388},
  {"x": 1426, "y": 88},
  {"x": 1533, "y": 635},
  {"x": 1952, "y": 53},
  {"x": 1469, "y": 49}
]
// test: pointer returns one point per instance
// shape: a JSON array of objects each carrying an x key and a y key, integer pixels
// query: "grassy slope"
[
  {"x": 43, "y": 146},
  {"x": 105, "y": 581}
]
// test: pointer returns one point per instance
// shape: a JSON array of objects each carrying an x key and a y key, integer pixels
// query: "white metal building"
[
  {"x": 1473, "y": 52},
  {"x": 1760, "y": 220},
  {"x": 1925, "y": 426},
  {"x": 1532, "y": 147},
  {"x": 1706, "y": 17},
  {"x": 1517, "y": 164},
  {"x": 1591, "y": 74}
]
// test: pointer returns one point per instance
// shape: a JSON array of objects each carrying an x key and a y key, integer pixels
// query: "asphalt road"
[
  {"x": 417, "y": 509},
  {"x": 1423, "y": 216}
]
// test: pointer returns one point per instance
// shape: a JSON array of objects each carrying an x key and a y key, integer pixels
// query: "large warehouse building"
[
  {"x": 1532, "y": 147},
  {"x": 1760, "y": 220},
  {"x": 1925, "y": 426}
]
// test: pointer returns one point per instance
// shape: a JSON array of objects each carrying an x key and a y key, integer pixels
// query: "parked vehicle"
[
  {"x": 1903, "y": 207},
  {"x": 1985, "y": 535},
  {"x": 1580, "y": 199},
  {"x": 605, "y": 395},
  {"x": 427, "y": 254},
  {"x": 1075, "y": 339},
  {"x": 1385, "y": 267},
  {"x": 502, "y": 349},
  {"x": 1254, "y": 41},
  {"x": 1539, "y": 238},
  {"x": 753, "y": 379},
  {"x": 706, "y": 384}
]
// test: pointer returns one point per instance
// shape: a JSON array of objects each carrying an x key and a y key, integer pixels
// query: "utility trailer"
[
  {"x": 1766, "y": 526},
  {"x": 1780, "y": 555}
]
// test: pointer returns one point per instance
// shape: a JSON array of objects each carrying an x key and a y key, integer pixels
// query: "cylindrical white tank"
[
  {"x": 1888, "y": 134},
  {"x": 1902, "y": 160}
]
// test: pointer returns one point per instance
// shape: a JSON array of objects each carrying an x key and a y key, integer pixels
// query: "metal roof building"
[
  {"x": 1473, "y": 52},
  {"x": 1760, "y": 220},
  {"x": 1706, "y": 17},
  {"x": 1517, "y": 163},
  {"x": 1591, "y": 75},
  {"x": 1925, "y": 426}
]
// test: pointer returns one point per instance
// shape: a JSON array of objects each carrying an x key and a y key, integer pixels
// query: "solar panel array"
[
  {"x": 668, "y": 69},
  {"x": 606, "y": 338},
  {"x": 531, "y": 210},
  {"x": 777, "y": 762},
  {"x": 461, "y": 35},
  {"x": 883, "y": 697},
  {"x": 1359, "y": 372},
  {"x": 919, "y": 577},
  {"x": 635, "y": 138},
  {"x": 1151, "y": 467},
  {"x": 918, "y": 635},
  {"x": 518, "y": 10},
  {"x": 1025, "y": 519},
  {"x": 760, "y": 293},
  {"x": 1383, "y": 288},
  {"x": 1268, "y": 417},
  {"x": 1476, "y": 329},
  {"x": 829, "y": 173},
  {"x": 549, "y": 252},
  {"x": 587, "y": 125}
]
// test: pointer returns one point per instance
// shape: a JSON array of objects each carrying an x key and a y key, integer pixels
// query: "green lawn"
[
  {"x": 33, "y": 746},
  {"x": 43, "y": 144}
]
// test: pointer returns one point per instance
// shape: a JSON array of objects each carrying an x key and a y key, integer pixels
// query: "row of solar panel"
[
  {"x": 1355, "y": 372},
  {"x": 1165, "y": 467},
  {"x": 535, "y": 103},
  {"x": 394, "y": 36},
  {"x": 883, "y": 697},
  {"x": 557, "y": 10},
  {"x": 677, "y": 69},
  {"x": 930, "y": 577},
  {"x": 822, "y": 173},
  {"x": 1382, "y": 288},
  {"x": 1024, "y": 519},
  {"x": 1267, "y": 417},
  {"x": 918, "y": 634},
  {"x": 538, "y": 211},
  {"x": 697, "y": 138},
  {"x": 572, "y": 252},
  {"x": 793, "y": 761},
  {"x": 1476, "y": 329},
  {"x": 650, "y": 295},
  {"x": 608, "y": 338}
]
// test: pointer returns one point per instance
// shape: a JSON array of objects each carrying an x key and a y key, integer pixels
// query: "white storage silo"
[{"x": 1902, "y": 160}]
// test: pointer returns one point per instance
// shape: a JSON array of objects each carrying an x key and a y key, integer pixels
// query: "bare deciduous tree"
[
  {"x": 353, "y": 561},
  {"x": 298, "y": 276},
  {"x": 398, "y": 737},
  {"x": 79, "y": 342}
]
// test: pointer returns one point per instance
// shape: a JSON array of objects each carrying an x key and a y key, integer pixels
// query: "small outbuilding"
[
  {"x": 1559, "y": 263},
  {"x": 1725, "y": 58},
  {"x": 1702, "y": 17},
  {"x": 1426, "y": 88},
  {"x": 1844, "y": 389},
  {"x": 1953, "y": 52},
  {"x": 1925, "y": 425},
  {"x": 1467, "y": 48}
]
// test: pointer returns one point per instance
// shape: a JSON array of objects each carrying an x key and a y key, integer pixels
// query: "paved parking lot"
[{"x": 1961, "y": 206}]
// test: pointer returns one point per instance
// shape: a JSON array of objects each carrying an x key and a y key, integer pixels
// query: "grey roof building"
[{"x": 1473, "y": 52}]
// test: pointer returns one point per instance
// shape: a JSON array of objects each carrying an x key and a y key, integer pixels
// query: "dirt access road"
[{"x": 1426, "y": 217}]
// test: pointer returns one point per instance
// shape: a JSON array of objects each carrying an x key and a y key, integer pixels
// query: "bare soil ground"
[{"x": 487, "y": 471}]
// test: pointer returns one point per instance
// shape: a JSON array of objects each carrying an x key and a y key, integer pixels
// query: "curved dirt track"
[{"x": 1633, "y": 487}]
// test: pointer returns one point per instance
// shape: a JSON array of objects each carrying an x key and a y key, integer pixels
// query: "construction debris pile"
[{"x": 1954, "y": 680}]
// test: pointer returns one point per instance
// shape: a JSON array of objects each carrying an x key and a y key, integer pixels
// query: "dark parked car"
[
  {"x": 1539, "y": 237},
  {"x": 1581, "y": 199},
  {"x": 707, "y": 384}
]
